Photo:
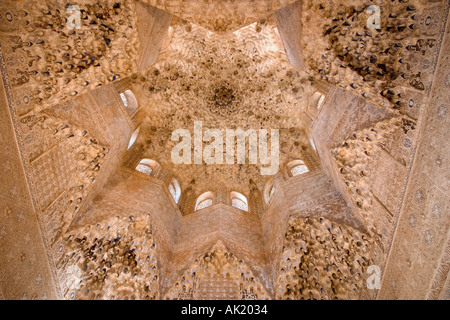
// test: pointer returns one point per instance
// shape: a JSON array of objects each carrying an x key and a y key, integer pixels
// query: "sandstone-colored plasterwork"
[
  {"x": 53, "y": 62},
  {"x": 322, "y": 260},
  {"x": 113, "y": 259},
  {"x": 354, "y": 164},
  {"x": 79, "y": 222},
  {"x": 152, "y": 23},
  {"x": 381, "y": 65},
  {"x": 201, "y": 76},
  {"x": 218, "y": 275},
  {"x": 418, "y": 264},
  {"x": 220, "y": 16},
  {"x": 25, "y": 272}
]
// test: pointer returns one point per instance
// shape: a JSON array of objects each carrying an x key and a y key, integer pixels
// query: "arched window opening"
[
  {"x": 320, "y": 102},
  {"x": 148, "y": 167},
  {"x": 317, "y": 101},
  {"x": 175, "y": 190},
  {"x": 313, "y": 144},
  {"x": 204, "y": 201},
  {"x": 133, "y": 138},
  {"x": 124, "y": 99},
  {"x": 239, "y": 201},
  {"x": 129, "y": 101},
  {"x": 297, "y": 168},
  {"x": 272, "y": 191},
  {"x": 269, "y": 191},
  {"x": 204, "y": 204}
]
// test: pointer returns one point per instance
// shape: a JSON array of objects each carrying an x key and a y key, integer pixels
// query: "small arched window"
[
  {"x": 133, "y": 138},
  {"x": 313, "y": 144},
  {"x": 239, "y": 201},
  {"x": 317, "y": 101},
  {"x": 148, "y": 167},
  {"x": 320, "y": 102},
  {"x": 272, "y": 191},
  {"x": 175, "y": 190},
  {"x": 269, "y": 191},
  {"x": 124, "y": 99},
  {"x": 129, "y": 101},
  {"x": 204, "y": 201},
  {"x": 297, "y": 168}
]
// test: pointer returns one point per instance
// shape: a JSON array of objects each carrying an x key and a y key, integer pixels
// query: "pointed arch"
[
  {"x": 175, "y": 190},
  {"x": 269, "y": 191},
  {"x": 133, "y": 138},
  {"x": 239, "y": 201},
  {"x": 149, "y": 167},
  {"x": 129, "y": 101},
  {"x": 316, "y": 102},
  {"x": 297, "y": 168},
  {"x": 205, "y": 200}
]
